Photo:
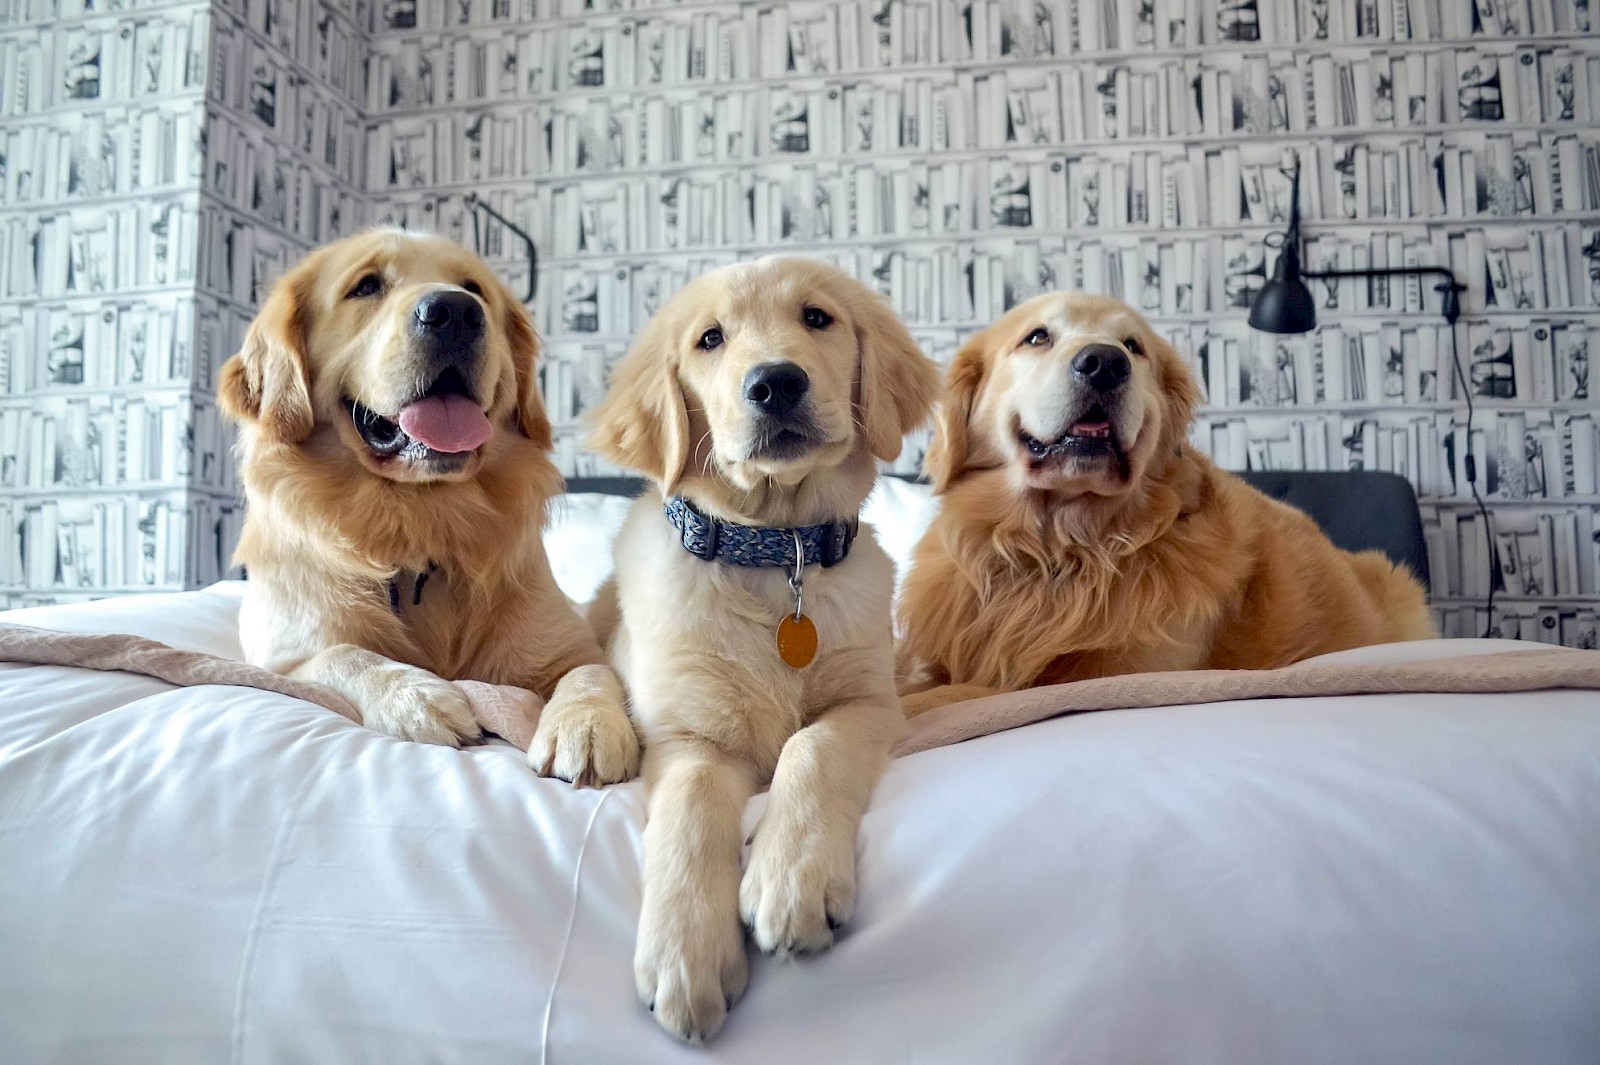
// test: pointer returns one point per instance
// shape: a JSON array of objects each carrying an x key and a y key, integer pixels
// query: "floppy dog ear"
[
  {"x": 643, "y": 424},
  {"x": 1179, "y": 389},
  {"x": 268, "y": 382},
  {"x": 898, "y": 382},
  {"x": 947, "y": 455},
  {"x": 531, "y": 416}
]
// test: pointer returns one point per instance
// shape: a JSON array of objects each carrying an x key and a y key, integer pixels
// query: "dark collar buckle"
[
  {"x": 835, "y": 545},
  {"x": 706, "y": 530}
]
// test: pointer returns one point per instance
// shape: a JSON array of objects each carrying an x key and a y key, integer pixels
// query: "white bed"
[{"x": 227, "y": 875}]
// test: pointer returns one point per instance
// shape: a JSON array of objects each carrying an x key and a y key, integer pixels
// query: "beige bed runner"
[
  {"x": 1506, "y": 671},
  {"x": 511, "y": 713}
]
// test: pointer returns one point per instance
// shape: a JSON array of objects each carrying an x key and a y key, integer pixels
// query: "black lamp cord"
[
  {"x": 475, "y": 204},
  {"x": 1451, "y": 290},
  {"x": 1471, "y": 464}
]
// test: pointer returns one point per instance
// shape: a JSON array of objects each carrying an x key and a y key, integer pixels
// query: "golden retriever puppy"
[
  {"x": 1081, "y": 535},
  {"x": 393, "y": 449},
  {"x": 758, "y": 399}
]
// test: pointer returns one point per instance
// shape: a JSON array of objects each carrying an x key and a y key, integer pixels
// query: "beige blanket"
[
  {"x": 1507, "y": 671},
  {"x": 512, "y": 713}
]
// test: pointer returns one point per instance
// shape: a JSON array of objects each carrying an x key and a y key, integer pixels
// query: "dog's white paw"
[
  {"x": 797, "y": 890},
  {"x": 689, "y": 967},
  {"x": 585, "y": 735},
  {"x": 410, "y": 703}
]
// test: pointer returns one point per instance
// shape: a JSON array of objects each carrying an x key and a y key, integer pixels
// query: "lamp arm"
[
  {"x": 476, "y": 203},
  {"x": 1451, "y": 288},
  {"x": 1382, "y": 271}
]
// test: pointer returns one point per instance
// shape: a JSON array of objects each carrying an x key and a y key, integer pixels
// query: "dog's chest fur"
[
  {"x": 456, "y": 628},
  {"x": 435, "y": 606},
  {"x": 698, "y": 644}
]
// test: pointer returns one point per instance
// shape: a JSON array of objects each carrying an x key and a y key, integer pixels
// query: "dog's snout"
[
  {"x": 776, "y": 388},
  {"x": 451, "y": 317},
  {"x": 1104, "y": 366}
]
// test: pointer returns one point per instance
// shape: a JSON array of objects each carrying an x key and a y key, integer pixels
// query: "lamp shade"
[{"x": 1284, "y": 304}]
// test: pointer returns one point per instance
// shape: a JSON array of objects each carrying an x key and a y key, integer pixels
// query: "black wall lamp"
[{"x": 1284, "y": 305}]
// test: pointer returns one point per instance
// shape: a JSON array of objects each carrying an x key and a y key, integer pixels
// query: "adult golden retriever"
[
  {"x": 758, "y": 399},
  {"x": 393, "y": 449},
  {"x": 1081, "y": 535}
]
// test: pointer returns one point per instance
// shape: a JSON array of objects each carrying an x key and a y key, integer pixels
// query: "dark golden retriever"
[{"x": 1081, "y": 535}]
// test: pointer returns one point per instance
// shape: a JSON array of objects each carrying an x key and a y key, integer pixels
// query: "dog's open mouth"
[
  {"x": 443, "y": 426},
  {"x": 1090, "y": 436}
]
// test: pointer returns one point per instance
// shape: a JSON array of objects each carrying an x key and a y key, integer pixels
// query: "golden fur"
[
  {"x": 331, "y": 523},
  {"x": 720, "y": 712},
  {"x": 1039, "y": 572}
]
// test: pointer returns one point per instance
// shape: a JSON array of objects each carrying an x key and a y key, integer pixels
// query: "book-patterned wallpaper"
[
  {"x": 101, "y": 115},
  {"x": 162, "y": 161},
  {"x": 960, "y": 155}
]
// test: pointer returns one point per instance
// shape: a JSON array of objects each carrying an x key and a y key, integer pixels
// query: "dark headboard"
[
  {"x": 606, "y": 486},
  {"x": 1359, "y": 510}
]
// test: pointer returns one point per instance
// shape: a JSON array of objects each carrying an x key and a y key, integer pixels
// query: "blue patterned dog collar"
[{"x": 744, "y": 545}]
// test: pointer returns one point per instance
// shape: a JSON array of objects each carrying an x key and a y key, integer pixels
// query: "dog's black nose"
[
  {"x": 776, "y": 387},
  {"x": 1104, "y": 366},
  {"x": 452, "y": 318}
]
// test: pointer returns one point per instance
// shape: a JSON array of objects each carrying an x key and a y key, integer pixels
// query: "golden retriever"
[
  {"x": 1081, "y": 535},
  {"x": 394, "y": 453},
  {"x": 761, "y": 395}
]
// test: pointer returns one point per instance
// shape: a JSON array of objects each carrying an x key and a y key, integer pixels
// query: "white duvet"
[{"x": 215, "y": 875}]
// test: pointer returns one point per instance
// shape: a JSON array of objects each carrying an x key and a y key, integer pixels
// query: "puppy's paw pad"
[
  {"x": 794, "y": 900},
  {"x": 413, "y": 704},
  {"x": 691, "y": 986}
]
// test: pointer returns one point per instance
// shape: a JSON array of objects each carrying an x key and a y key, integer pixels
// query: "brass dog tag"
[{"x": 797, "y": 640}]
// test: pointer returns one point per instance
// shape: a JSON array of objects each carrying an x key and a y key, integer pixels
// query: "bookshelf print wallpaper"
[
  {"x": 161, "y": 163},
  {"x": 960, "y": 155}
]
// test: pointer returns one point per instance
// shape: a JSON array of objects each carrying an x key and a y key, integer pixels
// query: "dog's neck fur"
[
  {"x": 1043, "y": 534},
  {"x": 1099, "y": 567},
  {"x": 479, "y": 530},
  {"x": 822, "y": 495}
]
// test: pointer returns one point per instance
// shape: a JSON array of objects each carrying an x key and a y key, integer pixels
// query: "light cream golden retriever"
[
  {"x": 761, "y": 395},
  {"x": 393, "y": 450},
  {"x": 1081, "y": 535}
]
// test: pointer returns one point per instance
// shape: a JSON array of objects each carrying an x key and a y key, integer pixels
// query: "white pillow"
[
  {"x": 583, "y": 526},
  {"x": 900, "y": 512},
  {"x": 578, "y": 540}
]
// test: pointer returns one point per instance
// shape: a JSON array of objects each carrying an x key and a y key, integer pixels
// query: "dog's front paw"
[
  {"x": 412, "y": 704},
  {"x": 585, "y": 735},
  {"x": 689, "y": 967},
  {"x": 797, "y": 889}
]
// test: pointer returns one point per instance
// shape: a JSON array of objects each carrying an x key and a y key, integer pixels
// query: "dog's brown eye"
[
  {"x": 816, "y": 318},
  {"x": 1038, "y": 338},
  {"x": 370, "y": 285},
  {"x": 1133, "y": 346},
  {"x": 710, "y": 340},
  {"x": 473, "y": 287}
]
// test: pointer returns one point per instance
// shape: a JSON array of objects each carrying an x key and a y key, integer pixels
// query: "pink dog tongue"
[{"x": 450, "y": 424}]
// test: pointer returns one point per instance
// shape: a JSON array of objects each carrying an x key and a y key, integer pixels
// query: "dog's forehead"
[
  {"x": 432, "y": 255},
  {"x": 756, "y": 287},
  {"x": 1081, "y": 312},
  {"x": 406, "y": 256}
]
